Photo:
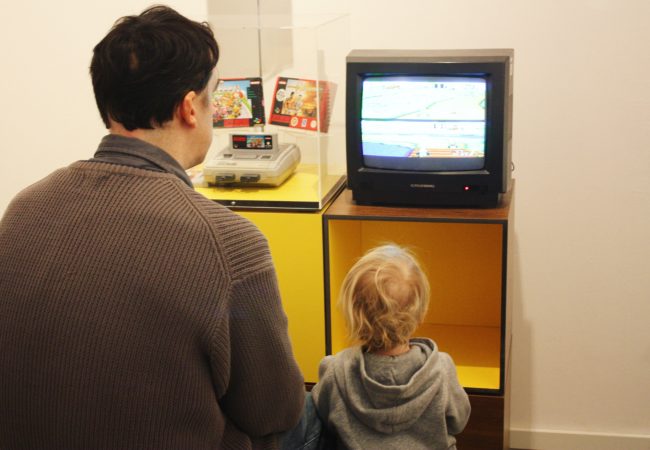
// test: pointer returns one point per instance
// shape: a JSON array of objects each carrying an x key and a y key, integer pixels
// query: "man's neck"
[{"x": 162, "y": 138}]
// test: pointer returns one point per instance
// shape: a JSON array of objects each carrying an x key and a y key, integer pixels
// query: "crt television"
[{"x": 429, "y": 127}]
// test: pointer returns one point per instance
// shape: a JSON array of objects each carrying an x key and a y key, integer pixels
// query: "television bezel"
[{"x": 445, "y": 188}]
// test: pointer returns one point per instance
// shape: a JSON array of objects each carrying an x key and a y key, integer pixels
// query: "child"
[{"x": 391, "y": 391}]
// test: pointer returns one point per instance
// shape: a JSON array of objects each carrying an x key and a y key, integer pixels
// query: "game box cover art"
[
  {"x": 302, "y": 104},
  {"x": 238, "y": 102}
]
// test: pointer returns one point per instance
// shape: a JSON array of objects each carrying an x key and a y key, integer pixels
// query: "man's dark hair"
[{"x": 146, "y": 64}]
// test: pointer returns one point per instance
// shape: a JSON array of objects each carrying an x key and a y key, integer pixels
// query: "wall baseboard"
[{"x": 563, "y": 440}]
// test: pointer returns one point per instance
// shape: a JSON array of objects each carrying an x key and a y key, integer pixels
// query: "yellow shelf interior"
[
  {"x": 463, "y": 262},
  {"x": 475, "y": 351}
]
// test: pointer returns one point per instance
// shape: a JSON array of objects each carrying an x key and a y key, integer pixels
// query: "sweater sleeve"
[
  {"x": 458, "y": 406},
  {"x": 265, "y": 393}
]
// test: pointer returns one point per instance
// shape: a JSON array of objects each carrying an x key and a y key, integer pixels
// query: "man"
[{"x": 135, "y": 313}]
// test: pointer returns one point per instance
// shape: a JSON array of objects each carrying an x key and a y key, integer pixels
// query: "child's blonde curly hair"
[{"x": 384, "y": 298}]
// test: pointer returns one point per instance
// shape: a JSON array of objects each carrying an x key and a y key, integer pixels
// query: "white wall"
[
  {"x": 48, "y": 117},
  {"x": 581, "y": 348}
]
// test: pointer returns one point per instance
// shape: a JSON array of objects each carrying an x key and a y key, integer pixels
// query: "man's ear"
[{"x": 186, "y": 110}]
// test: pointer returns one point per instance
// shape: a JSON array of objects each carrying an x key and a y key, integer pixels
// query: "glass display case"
[{"x": 286, "y": 75}]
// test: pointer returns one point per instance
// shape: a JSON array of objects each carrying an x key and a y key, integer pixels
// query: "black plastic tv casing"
[{"x": 474, "y": 188}]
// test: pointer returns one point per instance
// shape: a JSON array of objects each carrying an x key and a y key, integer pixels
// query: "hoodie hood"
[{"x": 393, "y": 391}]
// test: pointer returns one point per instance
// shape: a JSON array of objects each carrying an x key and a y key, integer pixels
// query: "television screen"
[{"x": 423, "y": 123}]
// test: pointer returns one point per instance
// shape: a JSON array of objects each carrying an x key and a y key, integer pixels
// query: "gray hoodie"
[{"x": 410, "y": 401}]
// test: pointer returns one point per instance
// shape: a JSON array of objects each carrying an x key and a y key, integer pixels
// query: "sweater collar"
[{"x": 133, "y": 152}]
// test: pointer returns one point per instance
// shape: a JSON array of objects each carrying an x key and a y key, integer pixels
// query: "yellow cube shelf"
[{"x": 463, "y": 252}]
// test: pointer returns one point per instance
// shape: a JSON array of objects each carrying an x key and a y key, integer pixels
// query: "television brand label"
[{"x": 423, "y": 186}]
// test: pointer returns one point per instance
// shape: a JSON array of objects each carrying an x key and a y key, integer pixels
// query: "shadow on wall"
[{"x": 521, "y": 364}]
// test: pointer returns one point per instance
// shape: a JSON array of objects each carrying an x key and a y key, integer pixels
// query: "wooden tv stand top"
[{"x": 344, "y": 206}]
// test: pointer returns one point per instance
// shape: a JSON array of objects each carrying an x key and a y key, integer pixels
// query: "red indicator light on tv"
[{"x": 466, "y": 188}]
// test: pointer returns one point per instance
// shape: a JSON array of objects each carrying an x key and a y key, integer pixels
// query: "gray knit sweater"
[
  {"x": 411, "y": 401},
  {"x": 137, "y": 314}
]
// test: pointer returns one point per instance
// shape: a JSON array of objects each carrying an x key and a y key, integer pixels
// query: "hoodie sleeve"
[
  {"x": 322, "y": 391},
  {"x": 458, "y": 407},
  {"x": 324, "y": 365}
]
